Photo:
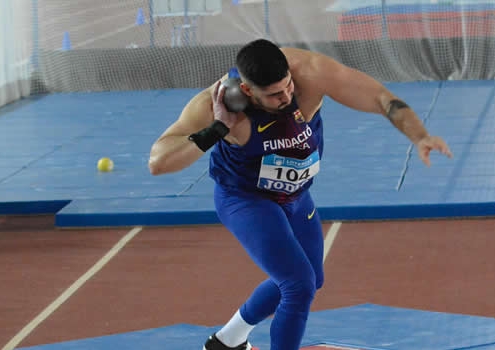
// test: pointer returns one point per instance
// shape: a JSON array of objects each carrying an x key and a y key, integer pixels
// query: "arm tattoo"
[{"x": 394, "y": 105}]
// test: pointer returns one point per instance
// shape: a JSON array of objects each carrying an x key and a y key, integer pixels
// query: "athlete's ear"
[{"x": 246, "y": 89}]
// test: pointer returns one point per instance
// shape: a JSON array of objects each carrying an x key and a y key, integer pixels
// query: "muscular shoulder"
[
  {"x": 302, "y": 63},
  {"x": 313, "y": 71},
  {"x": 306, "y": 74}
]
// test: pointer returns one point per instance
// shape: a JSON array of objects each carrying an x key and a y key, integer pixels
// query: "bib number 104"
[{"x": 292, "y": 174}]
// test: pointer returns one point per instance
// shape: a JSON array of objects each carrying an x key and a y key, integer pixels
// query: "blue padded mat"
[
  {"x": 369, "y": 169},
  {"x": 366, "y": 326}
]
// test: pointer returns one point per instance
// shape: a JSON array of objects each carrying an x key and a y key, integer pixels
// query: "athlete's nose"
[{"x": 286, "y": 98}]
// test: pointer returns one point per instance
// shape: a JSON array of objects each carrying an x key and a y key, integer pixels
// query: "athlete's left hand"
[{"x": 429, "y": 143}]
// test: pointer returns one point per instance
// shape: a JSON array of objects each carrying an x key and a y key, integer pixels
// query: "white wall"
[{"x": 16, "y": 42}]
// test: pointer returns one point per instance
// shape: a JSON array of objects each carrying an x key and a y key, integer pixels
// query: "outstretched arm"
[{"x": 360, "y": 91}]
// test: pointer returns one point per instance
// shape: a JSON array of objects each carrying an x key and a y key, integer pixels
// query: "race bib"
[{"x": 284, "y": 174}]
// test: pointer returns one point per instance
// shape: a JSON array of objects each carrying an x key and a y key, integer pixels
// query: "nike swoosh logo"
[
  {"x": 310, "y": 216},
  {"x": 263, "y": 128}
]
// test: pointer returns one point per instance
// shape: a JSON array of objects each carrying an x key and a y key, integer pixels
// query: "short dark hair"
[{"x": 262, "y": 63}]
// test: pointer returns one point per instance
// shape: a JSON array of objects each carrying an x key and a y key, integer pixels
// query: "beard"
[{"x": 278, "y": 109}]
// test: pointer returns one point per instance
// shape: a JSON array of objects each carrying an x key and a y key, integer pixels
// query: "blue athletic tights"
[{"x": 286, "y": 242}]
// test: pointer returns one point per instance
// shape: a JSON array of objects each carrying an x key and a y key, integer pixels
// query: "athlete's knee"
[{"x": 298, "y": 293}]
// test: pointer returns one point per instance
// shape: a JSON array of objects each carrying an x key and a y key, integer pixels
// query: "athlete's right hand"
[{"x": 220, "y": 112}]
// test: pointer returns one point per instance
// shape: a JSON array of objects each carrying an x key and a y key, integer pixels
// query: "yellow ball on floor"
[{"x": 105, "y": 164}]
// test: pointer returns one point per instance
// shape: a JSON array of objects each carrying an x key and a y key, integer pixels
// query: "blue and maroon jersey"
[{"x": 280, "y": 159}]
